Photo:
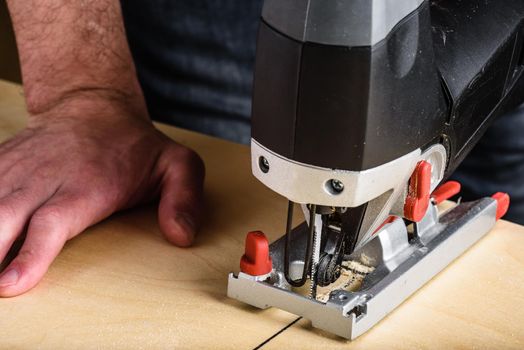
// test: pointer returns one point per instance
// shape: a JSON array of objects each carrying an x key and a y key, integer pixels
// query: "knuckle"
[
  {"x": 7, "y": 213},
  {"x": 92, "y": 168},
  {"x": 47, "y": 169},
  {"x": 100, "y": 196},
  {"x": 191, "y": 157},
  {"x": 50, "y": 220},
  {"x": 49, "y": 215},
  {"x": 26, "y": 255}
]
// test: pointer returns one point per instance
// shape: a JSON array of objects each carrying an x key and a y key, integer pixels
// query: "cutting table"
[{"x": 121, "y": 285}]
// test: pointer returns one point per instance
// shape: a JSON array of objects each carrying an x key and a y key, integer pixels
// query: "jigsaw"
[{"x": 361, "y": 111}]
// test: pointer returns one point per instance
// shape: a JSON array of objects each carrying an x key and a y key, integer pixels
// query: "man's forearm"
[{"x": 73, "y": 49}]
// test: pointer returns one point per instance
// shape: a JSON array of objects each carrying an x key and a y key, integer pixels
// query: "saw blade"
[{"x": 315, "y": 258}]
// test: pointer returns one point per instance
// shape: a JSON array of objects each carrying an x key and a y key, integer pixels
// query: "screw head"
[
  {"x": 336, "y": 186},
  {"x": 263, "y": 164}
]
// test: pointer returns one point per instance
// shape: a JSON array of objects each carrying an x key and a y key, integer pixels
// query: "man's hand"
[
  {"x": 90, "y": 148},
  {"x": 62, "y": 174}
]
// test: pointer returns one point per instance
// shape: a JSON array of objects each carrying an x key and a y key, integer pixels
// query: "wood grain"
[{"x": 120, "y": 285}]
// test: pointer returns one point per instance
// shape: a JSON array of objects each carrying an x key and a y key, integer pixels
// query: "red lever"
[
  {"x": 445, "y": 191},
  {"x": 389, "y": 220},
  {"x": 417, "y": 200},
  {"x": 502, "y": 203},
  {"x": 256, "y": 260}
]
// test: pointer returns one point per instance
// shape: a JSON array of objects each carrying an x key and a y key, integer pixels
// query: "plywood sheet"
[{"x": 121, "y": 285}]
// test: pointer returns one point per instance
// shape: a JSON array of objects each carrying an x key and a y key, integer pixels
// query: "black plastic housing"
[{"x": 440, "y": 75}]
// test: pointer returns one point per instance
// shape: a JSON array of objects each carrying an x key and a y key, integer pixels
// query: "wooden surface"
[{"x": 121, "y": 285}]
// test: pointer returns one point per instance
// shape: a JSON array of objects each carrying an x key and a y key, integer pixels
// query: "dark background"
[{"x": 9, "y": 68}]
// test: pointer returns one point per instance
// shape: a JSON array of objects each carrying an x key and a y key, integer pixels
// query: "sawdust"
[{"x": 351, "y": 277}]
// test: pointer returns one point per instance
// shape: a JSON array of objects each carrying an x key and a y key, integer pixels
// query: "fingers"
[
  {"x": 59, "y": 219},
  {"x": 65, "y": 215},
  {"x": 181, "y": 201},
  {"x": 15, "y": 210}
]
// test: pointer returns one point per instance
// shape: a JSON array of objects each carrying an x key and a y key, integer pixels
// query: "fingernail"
[
  {"x": 187, "y": 223},
  {"x": 9, "y": 278}
]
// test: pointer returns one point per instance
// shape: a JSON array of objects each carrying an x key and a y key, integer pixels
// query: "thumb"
[{"x": 181, "y": 199}]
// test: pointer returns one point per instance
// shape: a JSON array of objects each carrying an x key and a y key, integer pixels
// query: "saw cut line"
[{"x": 276, "y": 334}]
